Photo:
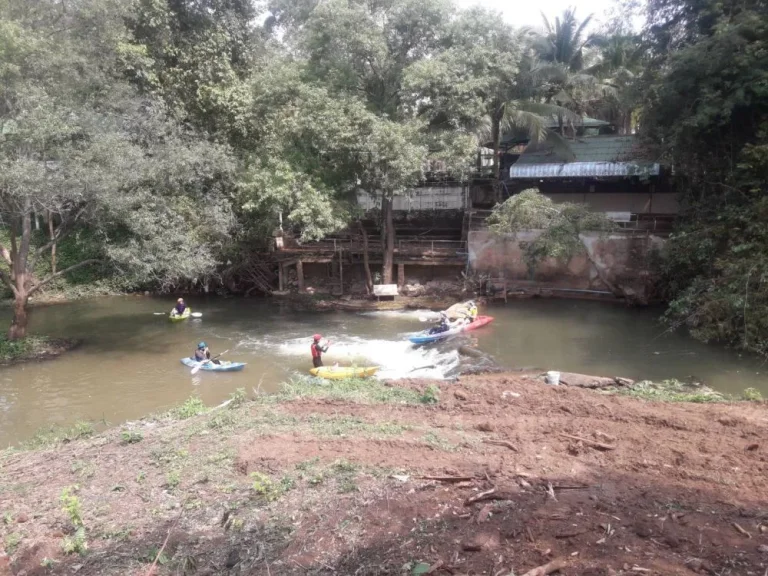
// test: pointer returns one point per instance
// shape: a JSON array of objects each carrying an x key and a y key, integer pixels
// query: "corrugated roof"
[
  {"x": 589, "y": 149},
  {"x": 582, "y": 170}
]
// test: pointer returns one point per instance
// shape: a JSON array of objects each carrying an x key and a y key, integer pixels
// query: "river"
[{"x": 129, "y": 365}]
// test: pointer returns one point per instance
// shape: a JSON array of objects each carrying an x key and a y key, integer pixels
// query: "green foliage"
[
  {"x": 367, "y": 390},
  {"x": 265, "y": 488},
  {"x": 237, "y": 398},
  {"x": 752, "y": 395},
  {"x": 706, "y": 110},
  {"x": 431, "y": 395},
  {"x": 192, "y": 406},
  {"x": 11, "y": 350},
  {"x": 71, "y": 505},
  {"x": 131, "y": 437},
  {"x": 52, "y": 436},
  {"x": 561, "y": 225},
  {"x": 672, "y": 391},
  {"x": 77, "y": 543}
]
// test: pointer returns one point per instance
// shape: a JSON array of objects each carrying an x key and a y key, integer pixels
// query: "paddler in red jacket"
[{"x": 318, "y": 348}]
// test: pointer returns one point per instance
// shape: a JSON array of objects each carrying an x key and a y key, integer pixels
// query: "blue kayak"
[
  {"x": 211, "y": 367},
  {"x": 425, "y": 337}
]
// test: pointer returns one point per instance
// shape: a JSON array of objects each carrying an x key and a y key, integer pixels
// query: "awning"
[{"x": 582, "y": 170}]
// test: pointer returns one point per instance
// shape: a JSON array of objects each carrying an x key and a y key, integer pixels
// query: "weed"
[
  {"x": 130, "y": 437},
  {"x": 672, "y": 391},
  {"x": 141, "y": 476},
  {"x": 55, "y": 435},
  {"x": 308, "y": 464},
  {"x": 431, "y": 395},
  {"x": 352, "y": 389},
  {"x": 192, "y": 406},
  {"x": 185, "y": 564},
  {"x": 7, "y": 519},
  {"x": 237, "y": 398},
  {"x": 154, "y": 552},
  {"x": 438, "y": 442},
  {"x": 287, "y": 483},
  {"x": 75, "y": 544},
  {"x": 71, "y": 506},
  {"x": 12, "y": 542},
  {"x": 47, "y": 562},
  {"x": 83, "y": 469},
  {"x": 344, "y": 467},
  {"x": 752, "y": 394},
  {"x": 173, "y": 479},
  {"x": 346, "y": 485},
  {"x": 264, "y": 487}
]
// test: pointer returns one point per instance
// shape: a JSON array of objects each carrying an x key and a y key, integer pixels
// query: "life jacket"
[
  {"x": 180, "y": 308},
  {"x": 316, "y": 350}
]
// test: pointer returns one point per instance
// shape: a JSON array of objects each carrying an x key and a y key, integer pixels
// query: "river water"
[{"x": 129, "y": 364}]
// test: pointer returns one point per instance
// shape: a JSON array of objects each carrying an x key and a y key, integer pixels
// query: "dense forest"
[{"x": 157, "y": 141}]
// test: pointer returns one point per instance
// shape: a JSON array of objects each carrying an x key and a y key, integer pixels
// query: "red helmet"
[{"x": 317, "y": 337}]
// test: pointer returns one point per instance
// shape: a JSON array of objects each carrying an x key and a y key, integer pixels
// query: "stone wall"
[{"x": 618, "y": 260}]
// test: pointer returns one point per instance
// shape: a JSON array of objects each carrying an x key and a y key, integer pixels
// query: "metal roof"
[
  {"x": 582, "y": 170},
  {"x": 586, "y": 149}
]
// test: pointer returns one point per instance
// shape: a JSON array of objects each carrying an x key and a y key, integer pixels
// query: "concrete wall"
[
  {"x": 424, "y": 198},
  {"x": 620, "y": 258},
  {"x": 635, "y": 202}
]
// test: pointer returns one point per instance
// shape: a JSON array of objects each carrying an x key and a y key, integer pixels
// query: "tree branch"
[
  {"x": 7, "y": 281},
  {"x": 52, "y": 277}
]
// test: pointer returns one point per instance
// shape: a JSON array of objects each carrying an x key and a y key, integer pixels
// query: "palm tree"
[{"x": 565, "y": 42}]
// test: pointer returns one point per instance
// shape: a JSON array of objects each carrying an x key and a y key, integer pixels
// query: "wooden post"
[
  {"x": 341, "y": 272},
  {"x": 400, "y": 275},
  {"x": 280, "y": 276},
  {"x": 300, "y": 275}
]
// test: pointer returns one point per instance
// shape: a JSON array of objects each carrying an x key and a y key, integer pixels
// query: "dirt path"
[{"x": 320, "y": 486}]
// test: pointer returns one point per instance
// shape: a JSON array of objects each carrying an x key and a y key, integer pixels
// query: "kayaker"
[
  {"x": 318, "y": 348},
  {"x": 179, "y": 309},
  {"x": 443, "y": 326},
  {"x": 203, "y": 353},
  {"x": 472, "y": 311}
]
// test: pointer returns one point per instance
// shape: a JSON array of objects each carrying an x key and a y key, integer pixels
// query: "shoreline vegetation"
[
  {"x": 34, "y": 348},
  {"x": 397, "y": 477}
]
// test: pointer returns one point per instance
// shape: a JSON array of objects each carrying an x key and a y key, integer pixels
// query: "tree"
[
  {"x": 484, "y": 81},
  {"x": 705, "y": 112},
  {"x": 565, "y": 42},
  {"x": 79, "y": 144},
  {"x": 561, "y": 226}
]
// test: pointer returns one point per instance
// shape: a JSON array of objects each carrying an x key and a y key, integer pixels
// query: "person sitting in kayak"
[
  {"x": 444, "y": 325},
  {"x": 203, "y": 353},
  {"x": 180, "y": 308},
  {"x": 318, "y": 348}
]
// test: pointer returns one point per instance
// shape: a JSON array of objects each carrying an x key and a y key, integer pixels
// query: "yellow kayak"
[
  {"x": 179, "y": 318},
  {"x": 341, "y": 372}
]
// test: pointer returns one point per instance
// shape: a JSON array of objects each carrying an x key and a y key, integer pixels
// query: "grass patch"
[
  {"x": 192, "y": 406},
  {"x": 363, "y": 390},
  {"x": 673, "y": 391},
  {"x": 32, "y": 348},
  {"x": 54, "y": 435}
]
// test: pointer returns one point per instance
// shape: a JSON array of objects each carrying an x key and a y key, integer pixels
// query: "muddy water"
[{"x": 130, "y": 365}]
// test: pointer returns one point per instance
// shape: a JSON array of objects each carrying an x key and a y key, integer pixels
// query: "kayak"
[
  {"x": 425, "y": 337},
  {"x": 211, "y": 367},
  {"x": 178, "y": 318},
  {"x": 341, "y": 372}
]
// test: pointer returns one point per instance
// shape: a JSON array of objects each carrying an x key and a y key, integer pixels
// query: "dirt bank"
[
  {"x": 368, "y": 479},
  {"x": 34, "y": 348}
]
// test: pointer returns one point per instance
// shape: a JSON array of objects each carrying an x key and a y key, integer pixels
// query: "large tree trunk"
[
  {"x": 366, "y": 260},
  {"x": 389, "y": 238},
  {"x": 18, "y": 327},
  {"x": 496, "y": 136}
]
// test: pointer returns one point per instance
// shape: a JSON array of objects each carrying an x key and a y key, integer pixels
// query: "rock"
[
  {"x": 586, "y": 381},
  {"x": 727, "y": 421},
  {"x": 21, "y": 518},
  {"x": 459, "y": 395},
  {"x": 481, "y": 541},
  {"x": 233, "y": 558},
  {"x": 485, "y": 427},
  {"x": 762, "y": 548},
  {"x": 643, "y": 529},
  {"x": 507, "y": 394},
  {"x": 753, "y": 447}
]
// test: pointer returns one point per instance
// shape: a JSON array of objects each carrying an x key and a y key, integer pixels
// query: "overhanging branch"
[{"x": 52, "y": 277}]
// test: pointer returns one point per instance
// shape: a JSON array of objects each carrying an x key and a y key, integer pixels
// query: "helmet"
[
  {"x": 317, "y": 337},
  {"x": 202, "y": 345}
]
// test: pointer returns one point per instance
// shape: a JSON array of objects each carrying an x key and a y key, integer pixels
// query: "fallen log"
[
  {"x": 592, "y": 382},
  {"x": 588, "y": 442},
  {"x": 546, "y": 569},
  {"x": 491, "y": 494}
]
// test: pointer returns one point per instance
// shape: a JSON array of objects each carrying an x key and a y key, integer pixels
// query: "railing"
[{"x": 402, "y": 246}]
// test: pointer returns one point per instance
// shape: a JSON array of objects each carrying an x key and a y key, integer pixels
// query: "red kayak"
[{"x": 425, "y": 337}]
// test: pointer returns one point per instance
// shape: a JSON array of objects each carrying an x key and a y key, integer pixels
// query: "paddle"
[
  {"x": 422, "y": 368},
  {"x": 199, "y": 365}
]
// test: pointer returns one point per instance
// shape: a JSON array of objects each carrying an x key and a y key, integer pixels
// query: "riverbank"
[
  {"x": 487, "y": 475},
  {"x": 34, "y": 348},
  {"x": 324, "y": 302}
]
